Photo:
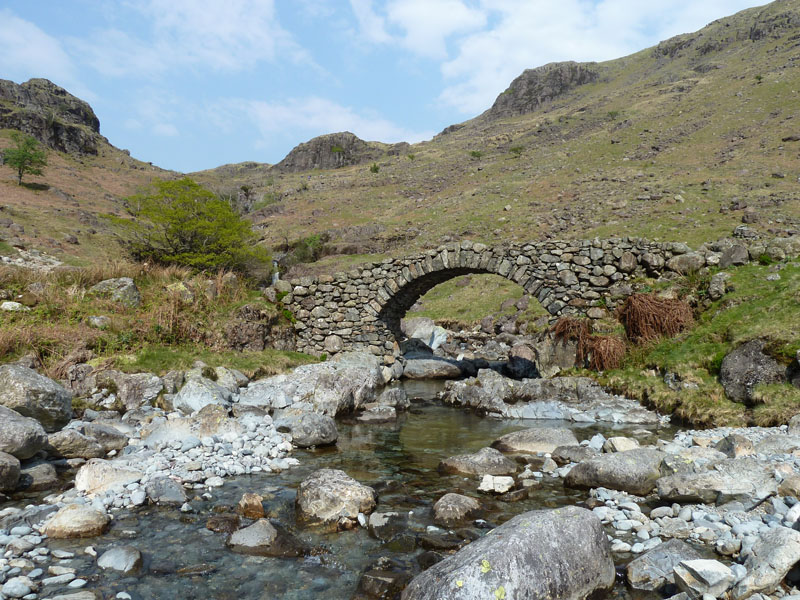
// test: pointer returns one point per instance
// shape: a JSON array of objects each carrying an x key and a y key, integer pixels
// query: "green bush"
[
  {"x": 25, "y": 156},
  {"x": 374, "y": 168},
  {"x": 476, "y": 154}
]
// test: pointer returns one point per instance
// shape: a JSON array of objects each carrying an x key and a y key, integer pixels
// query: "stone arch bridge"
[{"x": 361, "y": 309}]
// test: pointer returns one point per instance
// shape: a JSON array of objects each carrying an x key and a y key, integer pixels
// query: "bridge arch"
[{"x": 361, "y": 309}]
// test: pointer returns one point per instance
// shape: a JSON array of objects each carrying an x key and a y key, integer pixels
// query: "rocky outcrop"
[
  {"x": 49, "y": 113},
  {"x": 330, "y": 151},
  {"x": 35, "y": 396},
  {"x": 537, "y": 87},
  {"x": 561, "y": 553}
]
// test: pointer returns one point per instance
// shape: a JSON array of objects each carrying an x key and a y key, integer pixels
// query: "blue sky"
[{"x": 193, "y": 84}]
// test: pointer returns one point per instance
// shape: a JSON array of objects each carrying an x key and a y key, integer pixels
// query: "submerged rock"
[
  {"x": 453, "y": 509},
  {"x": 484, "y": 461},
  {"x": 537, "y": 439},
  {"x": 561, "y": 553}
]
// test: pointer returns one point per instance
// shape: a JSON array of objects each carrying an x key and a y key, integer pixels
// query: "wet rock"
[
  {"x": 70, "y": 443},
  {"x": 394, "y": 396},
  {"x": 735, "y": 445},
  {"x": 121, "y": 289},
  {"x": 496, "y": 484},
  {"x": 380, "y": 583},
  {"x": 564, "y": 455},
  {"x": 9, "y": 472},
  {"x": 745, "y": 368},
  {"x": 653, "y": 570},
  {"x": 329, "y": 495},
  {"x": 265, "y": 538},
  {"x": 99, "y": 475},
  {"x": 385, "y": 525},
  {"x": 251, "y": 506},
  {"x": 484, "y": 461},
  {"x": 620, "y": 444},
  {"x": 76, "y": 521},
  {"x": 535, "y": 440},
  {"x": 35, "y": 478},
  {"x": 309, "y": 429},
  {"x": 165, "y": 492},
  {"x": 33, "y": 395},
  {"x": 561, "y": 553},
  {"x": 453, "y": 509},
  {"x": 198, "y": 393},
  {"x": 633, "y": 471},
  {"x": 124, "y": 559},
  {"x": 432, "y": 368},
  {"x": 775, "y": 552},
  {"x": 699, "y": 577},
  {"x": 440, "y": 540},
  {"x": 376, "y": 413},
  {"x": 17, "y": 587},
  {"x": 224, "y": 523}
]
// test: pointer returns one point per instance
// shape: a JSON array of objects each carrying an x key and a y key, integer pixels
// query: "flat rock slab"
[
  {"x": 535, "y": 440},
  {"x": 125, "y": 559},
  {"x": 99, "y": 475},
  {"x": 561, "y": 553},
  {"x": 654, "y": 569},
  {"x": 633, "y": 471},
  {"x": 486, "y": 461}
]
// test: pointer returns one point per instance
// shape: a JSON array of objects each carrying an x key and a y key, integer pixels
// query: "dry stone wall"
[{"x": 361, "y": 309}]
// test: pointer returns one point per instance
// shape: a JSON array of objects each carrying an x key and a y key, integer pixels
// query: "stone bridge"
[{"x": 361, "y": 309}]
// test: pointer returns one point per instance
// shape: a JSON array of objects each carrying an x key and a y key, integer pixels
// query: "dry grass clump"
[
  {"x": 601, "y": 352},
  {"x": 570, "y": 329},
  {"x": 606, "y": 353},
  {"x": 647, "y": 317}
]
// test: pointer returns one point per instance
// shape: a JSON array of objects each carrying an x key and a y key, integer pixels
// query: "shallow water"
[{"x": 185, "y": 560}]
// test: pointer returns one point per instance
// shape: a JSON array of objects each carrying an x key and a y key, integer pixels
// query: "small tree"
[
  {"x": 25, "y": 156},
  {"x": 180, "y": 222}
]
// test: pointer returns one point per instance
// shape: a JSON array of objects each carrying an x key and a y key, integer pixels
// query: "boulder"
[
  {"x": 484, "y": 461},
  {"x": 99, "y": 475},
  {"x": 620, "y": 444},
  {"x": 330, "y": 495},
  {"x": 775, "y": 552},
  {"x": 121, "y": 289},
  {"x": 264, "y": 538},
  {"x": 453, "y": 509},
  {"x": 124, "y": 559},
  {"x": 199, "y": 392},
  {"x": 560, "y": 553},
  {"x": 521, "y": 362},
  {"x": 683, "y": 264},
  {"x": 134, "y": 390},
  {"x": 165, "y": 492},
  {"x": 736, "y": 254},
  {"x": 778, "y": 444},
  {"x": 20, "y": 436},
  {"x": 653, "y": 570},
  {"x": 394, "y": 396},
  {"x": 535, "y": 440},
  {"x": 496, "y": 484},
  {"x": 735, "y": 445},
  {"x": 564, "y": 455},
  {"x": 71, "y": 443},
  {"x": 76, "y": 521},
  {"x": 554, "y": 355},
  {"x": 745, "y": 368},
  {"x": 309, "y": 429},
  {"x": 694, "y": 459},
  {"x": 251, "y": 506},
  {"x": 109, "y": 437},
  {"x": 633, "y": 471},
  {"x": 9, "y": 472},
  {"x": 38, "y": 477},
  {"x": 33, "y": 395},
  {"x": 432, "y": 368},
  {"x": 425, "y": 330},
  {"x": 703, "y": 577}
]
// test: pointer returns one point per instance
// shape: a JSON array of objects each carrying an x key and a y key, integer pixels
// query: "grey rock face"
[
  {"x": 537, "y": 439},
  {"x": 431, "y": 368},
  {"x": 34, "y": 478},
  {"x": 20, "y": 436},
  {"x": 394, "y": 396},
  {"x": 686, "y": 263},
  {"x": 99, "y": 475},
  {"x": 165, "y": 492},
  {"x": 633, "y": 471},
  {"x": 561, "y": 553},
  {"x": 309, "y": 429},
  {"x": 774, "y": 553},
  {"x": 133, "y": 389},
  {"x": 654, "y": 569},
  {"x": 330, "y": 151},
  {"x": 125, "y": 559},
  {"x": 452, "y": 509},
  {"x": 329, "y": 495},
  {"x": 735, "y": 255},
  {"x": 486, "y": 461},
  {"x": 746, "y": 367},
  {"x": 9, "y": 472},
  {"x": 33, "y": 395},
  {"x": 121, "y": 289},
  {"x": 564, "y": 455},
  {"x": 110, "y": 438}
]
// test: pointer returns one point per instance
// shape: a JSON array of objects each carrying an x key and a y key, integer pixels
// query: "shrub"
[
  {"x": 476, "y": 154},
  {"x": 411, "y": 156},
  {"x": 647, "y": 317},
  {"x": 374, "y": 168},
  {"x": 516, "y": 151},
  {"x": 25, "y": 156}
]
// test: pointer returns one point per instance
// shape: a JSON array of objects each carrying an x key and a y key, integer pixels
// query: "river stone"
[
  {"x": 394, "y": 396},
  {"x": 251, "y": 506},
  {"x": 377, "y": 413},
  {"x": 328, "y": 495},
  {"x": 121, "y": 289},
  {"x": 735, "y": 445},
  {"x": 745, "y": 368},
  {"x": 385, "y": 525},
  {"x": 453, "y": 509},
  {"x": 265, "y": 538},
  {"x": 309, "y": 429},
  {"x": 620, "y": 444},
  {"x": 71, "y": 443},
  {"x": 198, "y": 393},
  {"x": 564, "y": 455},
  {"x": 560, "y": 553},
  {"x": 17, "y": 587},
  {"x": 125, "y": 559},
  {"x": 484, "y": 461},
  {"x": 633, "y": 471},
  {"x": 431, "y": 368},
  {"x": 496, "y": 484},
  {"x": 691, "y": 460},
  {"x": 35, "y": 478},
  {"x": 76, "y": 521},
  {"x": 109, "y": 437},
  {"x": 9, "y": 472},
  {"x": 20, "y": 436},
  {"x": 700, "y": 577},
  {"x": 165, "y": 492},
  {"x": 33, "y": 395},
  {"x": 744, "y": 480},
  {"x": 775, "y": 552},
  {"x": 654, "y": 569},
  {"x": 99, "y": 475},
  {"x": 536, "y": 439}
]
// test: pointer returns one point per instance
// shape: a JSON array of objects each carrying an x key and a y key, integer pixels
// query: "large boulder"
[
  {"x": 309, "y": 429},
  {"x": 99, "y": 475},
  {"x": 561, "y": 553},
  {"x": 71, "y": 443},
  {"x": 453, "y": 509},
  {"x": 633, "y": 471},
  {"x": 134, "y": 390},
  {"x": 38, "y": 477},
  {"x": 9, "y": 472},
  {"x": 33, "y": 395},
  {"x": 653, "y": 570},
  {"x": 121, "y": 289},
  {"x": 745, "y": 368},
  {"x": 552, "y": 355},
  {"x": 537, "y": 439},
  {"x": 20, "y": 436},
  {"x": 199, "y": 392},
  {"x": 424, "y": 329},
  {"x": 432, "y": 368},
  {"x": 165, "y": 492},
  {"x": 486, "y": 461},
  {"x": 331, "y": 496},
  {"x": 774, "y": 553},
  {"x": 76, "y": 521},
  {"x": 109, "y": 437}
]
